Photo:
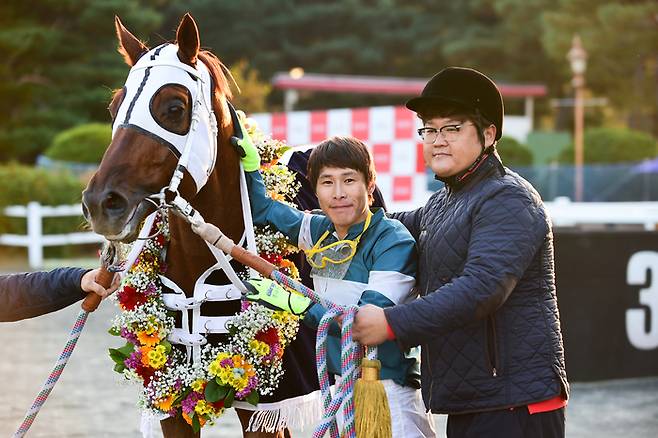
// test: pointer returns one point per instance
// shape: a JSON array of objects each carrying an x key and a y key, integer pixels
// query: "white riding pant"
[{"x": 409, "y": 419}]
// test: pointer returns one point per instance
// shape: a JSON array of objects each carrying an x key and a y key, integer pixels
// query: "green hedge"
[
  {"x": 513, "y": 153},
  {"x": 81, "y": 144},
  {"x": 613, "y": 145},
  {"x": 22, "y": 184}
]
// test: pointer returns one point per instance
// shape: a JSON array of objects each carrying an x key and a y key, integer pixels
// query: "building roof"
[{"x": 382, "y": 85}]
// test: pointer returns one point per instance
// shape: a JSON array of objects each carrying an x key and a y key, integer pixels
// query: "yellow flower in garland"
[
  {"x": 198, "y": 385},
  {"x": 204, "y": 408},
  {"x": 158, "y": 356},
  {"x": 259, "y": 347},
  {"x": 284, "y": 317},
  {"x": 154, "y": 357},
  {"x": 232, "y": 370},
  {"x": 216, "y": 365}
]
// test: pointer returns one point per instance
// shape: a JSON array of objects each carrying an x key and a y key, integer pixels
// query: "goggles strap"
[{"x": 354, "y": 243}]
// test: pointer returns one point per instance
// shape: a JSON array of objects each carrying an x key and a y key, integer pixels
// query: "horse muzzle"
[{"x": 114, "y": 215}]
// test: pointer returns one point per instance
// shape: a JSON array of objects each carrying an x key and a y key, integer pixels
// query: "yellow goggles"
[{"x": 346, "y": 252}]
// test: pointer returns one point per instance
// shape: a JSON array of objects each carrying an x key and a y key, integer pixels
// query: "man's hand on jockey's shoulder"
[{"x": 274, "y": 296}]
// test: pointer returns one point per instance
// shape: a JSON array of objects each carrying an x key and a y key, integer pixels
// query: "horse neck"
[{"x": 219, "y": 203}]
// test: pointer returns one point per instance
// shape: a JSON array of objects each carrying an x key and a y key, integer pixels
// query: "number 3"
[{"x": 636, "y": 274}]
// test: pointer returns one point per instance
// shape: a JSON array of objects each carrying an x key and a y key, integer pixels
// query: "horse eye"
[
  {"x": 176, "y": 110},
  {"x": 170, "y": 108}
]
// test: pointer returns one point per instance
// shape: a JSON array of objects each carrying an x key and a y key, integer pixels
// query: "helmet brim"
[{"x": 421, "y": 103}]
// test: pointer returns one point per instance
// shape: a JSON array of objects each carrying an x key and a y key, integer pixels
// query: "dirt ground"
[{"x": 91, "y": 401}]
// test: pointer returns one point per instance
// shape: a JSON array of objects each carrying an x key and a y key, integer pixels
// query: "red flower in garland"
[
  {"x": 129, "y": 297},
  {"x": 269, "y": 336},
  {"x": 275, "y": 259},
  {"x": 146, "y": 373}
]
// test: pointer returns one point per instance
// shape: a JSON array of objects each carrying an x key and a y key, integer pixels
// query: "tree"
[
  {"x": 60, "y": 65},
  {"x": 620, "y": 38},
  {"x": 251, "y": 98}
]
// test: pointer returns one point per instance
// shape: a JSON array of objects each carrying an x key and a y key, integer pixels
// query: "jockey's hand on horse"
[
  {"x": 274, "y": 296},
  {"x": 251, "y": 159}
]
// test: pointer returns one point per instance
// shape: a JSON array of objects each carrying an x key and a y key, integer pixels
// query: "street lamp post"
[{"x": 577, "y": 56}]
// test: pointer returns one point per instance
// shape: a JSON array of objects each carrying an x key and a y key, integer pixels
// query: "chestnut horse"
[{"x": 139, "y": 163}]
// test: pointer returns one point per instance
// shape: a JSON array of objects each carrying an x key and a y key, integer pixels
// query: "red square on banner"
[
  {"x": 420, "y": 161},
  {"x": 404, "y": 123},
  {"x": 402, "y": 188},
  {"x": 279, "y": 126},
  {"x": 381, "y": 153},
  {"x": 318, "y": 126},
  {"x": 360, "y": 122}
]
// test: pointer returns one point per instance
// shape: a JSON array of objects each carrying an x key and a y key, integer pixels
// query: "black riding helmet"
[{"x": 466, "y": 88}]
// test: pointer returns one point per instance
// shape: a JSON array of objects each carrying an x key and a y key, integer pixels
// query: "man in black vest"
[
  {"x": 487, "y": 318},
  {"x": 32, "y": 294}
]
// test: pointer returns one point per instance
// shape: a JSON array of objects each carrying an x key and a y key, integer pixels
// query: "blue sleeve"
[
  {"x": 265, "y": 210},
  {"x": 391, "y": 278},
  {"x": 507, "y": 231},
  {"x": 32, "y": 294}
]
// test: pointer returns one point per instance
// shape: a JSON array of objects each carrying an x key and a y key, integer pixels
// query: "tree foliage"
[
  {"x": 59, "y": 59},
  {"x": 614, "y": 145},
  {"x": 513, "y": 153},
  {"x": 621, "y": 39},
  {"x": 81, "y": 144},
  {"x": 60, "y": 64}
]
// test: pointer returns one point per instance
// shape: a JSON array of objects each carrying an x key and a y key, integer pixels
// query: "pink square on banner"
[
  {"x": 420, "y": 161},
  {"x": 318, "y": 126},
  {"x": 279, "y": 126},
  {"x": 360, "y": 122},
  {"x": 404, "y": 123},
  {"x": 381, "y": 153},
  {"x": 402, "y": 188}
]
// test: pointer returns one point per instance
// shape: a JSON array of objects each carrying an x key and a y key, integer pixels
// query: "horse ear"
[
  {"x": 187, "y": 37},
  {"x": 129, "y": 46}
]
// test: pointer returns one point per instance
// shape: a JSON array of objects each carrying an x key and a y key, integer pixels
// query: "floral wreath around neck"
[{"x": 248, "y": 365}]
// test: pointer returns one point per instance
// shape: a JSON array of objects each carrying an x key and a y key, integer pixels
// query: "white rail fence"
[
  {"x": 35, "y": 240},
  {"x": 563, "y": 214}
]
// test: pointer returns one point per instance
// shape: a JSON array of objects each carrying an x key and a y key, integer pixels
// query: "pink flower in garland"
[
  {"x": 190, "y": 402},
  {"x": 129, "y": 336},
  {"x": 134, "y": 360}
]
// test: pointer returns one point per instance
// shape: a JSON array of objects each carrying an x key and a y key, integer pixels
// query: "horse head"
[{"x": 171, "y": 115}]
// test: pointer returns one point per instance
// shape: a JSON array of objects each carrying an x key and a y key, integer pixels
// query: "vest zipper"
[{"x": 492, "y": 346}]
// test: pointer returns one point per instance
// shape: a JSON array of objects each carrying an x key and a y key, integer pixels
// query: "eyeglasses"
[{"x": 449, "y": 132}]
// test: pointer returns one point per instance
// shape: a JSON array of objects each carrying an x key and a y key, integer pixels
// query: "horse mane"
[{"x": 222, "y": 89}]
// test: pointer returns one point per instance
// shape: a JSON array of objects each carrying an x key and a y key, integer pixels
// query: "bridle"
[{"x": 196, "y": 150}]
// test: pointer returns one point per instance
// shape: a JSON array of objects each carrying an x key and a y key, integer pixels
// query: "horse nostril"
[
  {"x": 85, "y": 211},
  {"x": 114, "y": 203}
]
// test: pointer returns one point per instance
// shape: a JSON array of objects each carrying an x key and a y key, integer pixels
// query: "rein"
[
  {"x": 89, "y": 304},
  {"x": 350, "y": 352}
]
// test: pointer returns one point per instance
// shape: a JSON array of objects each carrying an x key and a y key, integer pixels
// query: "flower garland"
[{"x": 247, "y": 366}]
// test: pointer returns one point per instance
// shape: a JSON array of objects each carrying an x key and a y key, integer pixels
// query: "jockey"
[
  {"x": 357, "y": 255},
  {"x": 33, "y": 294}
]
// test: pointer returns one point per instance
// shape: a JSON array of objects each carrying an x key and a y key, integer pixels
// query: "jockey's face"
[{"x": 343, "y": 197}]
